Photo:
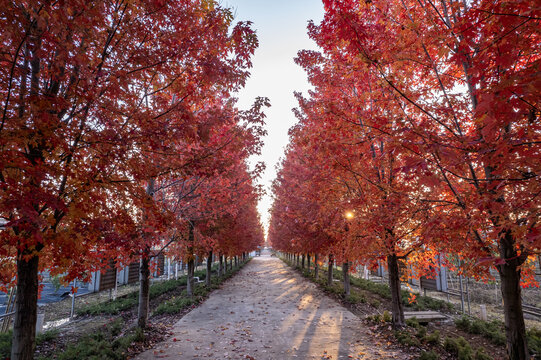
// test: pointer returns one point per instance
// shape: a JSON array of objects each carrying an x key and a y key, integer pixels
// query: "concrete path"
[{"x": 268, "y": 311}]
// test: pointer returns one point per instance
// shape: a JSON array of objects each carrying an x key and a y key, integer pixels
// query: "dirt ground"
[{"x": 268, "y": 311}]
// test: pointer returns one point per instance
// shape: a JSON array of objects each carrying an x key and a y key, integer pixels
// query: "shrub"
[
  {"x": 5, "y": 344},
  {"x": 433, "y": 338},
  {"x": 451, "y": 345},
  {"x": 97, "y": 346},
  {"x": 463, "y": 323},
  {"x": 405, "y": 338},
  {"x": 356, "y": 298},
  {"x": 111, "y": 307},
  {"x": 459, "y": 347},
  {"x": 387, "y": 317},
  {"x": 413, "y": 322},
  {"x": 534, "y": 341},
  {"x": 376, "y": 288},
  {"x": 376, "y": 318},
  {"x": 480, "y": 354},
  {"x": 174, "y": 305},
  {"x": 430, "y": 355},
  {"x": 425, "y": 302},
  {"x": 46, "y": 336},
  {"x": 421, "y": 332},
  {"x": 492, "y": 330}
]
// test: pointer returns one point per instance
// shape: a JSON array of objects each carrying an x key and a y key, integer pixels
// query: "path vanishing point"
[{"x": 268, "y": 311}]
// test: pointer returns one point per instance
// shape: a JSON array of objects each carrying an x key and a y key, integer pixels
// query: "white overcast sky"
[{"x": 281, "y": 30}]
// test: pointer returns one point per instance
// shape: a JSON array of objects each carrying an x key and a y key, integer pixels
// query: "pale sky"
[{"x": 281, "y": 30}]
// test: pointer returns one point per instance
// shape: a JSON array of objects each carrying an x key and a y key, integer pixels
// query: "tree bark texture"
[
  {"x": 515, "y": 329},
  {"x": 345, "y": 271},
  {"x": 316, "y": 266},
  {"x": 221, "y": 265},
  {"x": 302, "y": 261},
  {"x": 189, "y": 280},
  {"x": 26, "y": 309},
  {"x": 144, "y": 289},
  {"x": 396, "y": 298},
  {"x": 144, "y": 273},
  {"x": 329, "y": 271},
  {"x": 209, "y": 269}
]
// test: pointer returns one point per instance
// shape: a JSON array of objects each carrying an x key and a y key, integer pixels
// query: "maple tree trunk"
[
  {"x": 308, "y": 261},
  {"x": 345, "y": 271},
  {"x": 236, "y": 262},
  {"x": 221, "y": 265},
  {"x": 209, "y": 269},
  {"x": 302, "y": 261},
  {"x": 394, "y": 284},
  {"x": 189, "y": 281},
  {"x": 144, "y": 290},
  {"x": 329, "y": 270},
  {"x": 515, "y": 329},
  {"x": 230, "y": 263},
  {"x": 316, "y": 266},
  {"x": 26, "y": 309}
]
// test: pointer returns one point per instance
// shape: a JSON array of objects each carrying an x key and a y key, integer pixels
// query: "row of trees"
[
  {"x": 421, "y": 136},
  {"x": 119, "y": 136}
]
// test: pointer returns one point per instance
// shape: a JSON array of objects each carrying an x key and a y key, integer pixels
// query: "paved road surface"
[{"x": 268, "y": 311}]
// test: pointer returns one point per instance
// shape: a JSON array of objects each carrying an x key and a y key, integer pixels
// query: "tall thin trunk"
[
  {"x": 209, "y": 269},
  {"x": 26, "y": 308},
  {"x": 302, "y": 261},
  {"x": 345, "y": 271},
  {"x": 329, "y": 272},
  {"x": 308, "y": 260},
  {"x": 231, "y": 263},
  {"x": 316, "y": 266},
  {"x": 191, "y": 260},
  {"x": 144, "y": 273},
  {"x": 236, "y": 262},
  {"x": 144, "y": 289},
  {"x": 394, "y": 283},
  {"x": 189, "y": 279},
  {"x": 225, "y": 264},
  {"x": 515, "y": 329},
  {"x": 221, "y": 265}
]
